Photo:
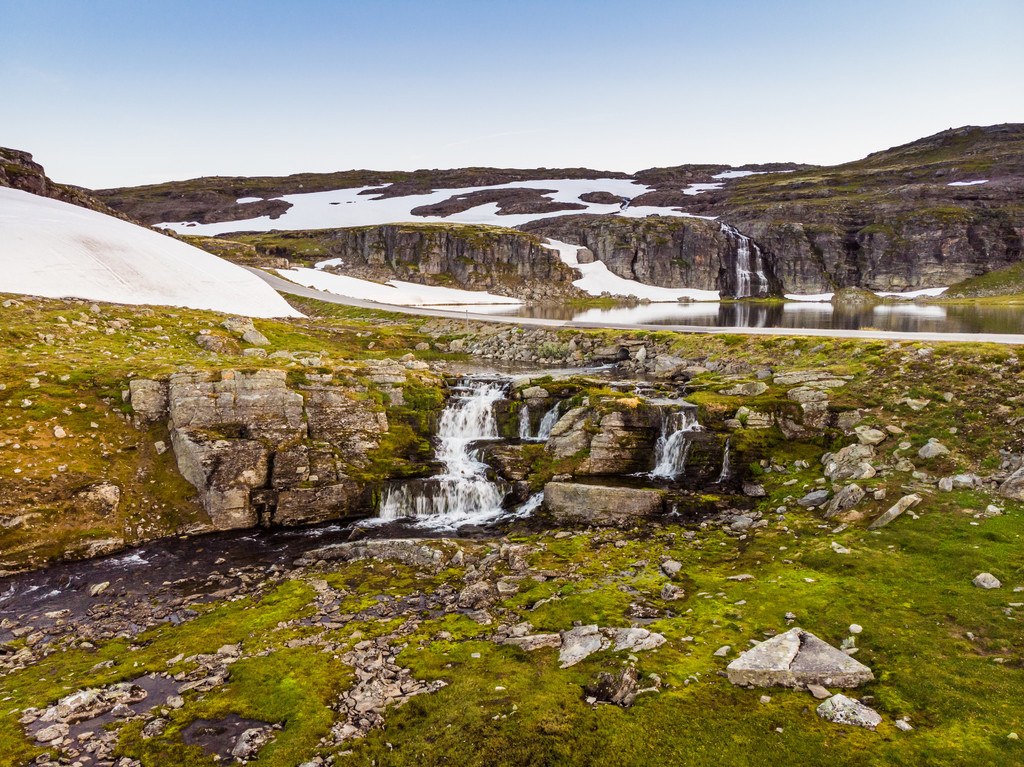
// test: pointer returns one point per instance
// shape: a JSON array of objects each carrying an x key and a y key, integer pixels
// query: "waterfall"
[
  {"x": 547, "y": 423},
  {"x": 673, "y": 443},
  {"x": 531, "y": 505},
  {"x": 462, "y": 490},
  {"x": 726, "y": 468},
  {"x": 748, "y": 257}
]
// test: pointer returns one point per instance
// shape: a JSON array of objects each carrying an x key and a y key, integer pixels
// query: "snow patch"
[
  {"x": 933, "y": 292},
  {"x": 395, "y": 292},
  {"x": 809, "y": 296},
  {"x": 701, "y": 188},
  {"x": 244, "y": 200},
  {"x": 54, "y": 249},
  {"x": 968, "y": 183}
]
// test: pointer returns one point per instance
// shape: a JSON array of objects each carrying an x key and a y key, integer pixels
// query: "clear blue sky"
[{"x": 111, "y": 92}]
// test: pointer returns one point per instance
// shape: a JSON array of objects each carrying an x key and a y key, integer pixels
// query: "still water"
[{"x": 903, "y": 317}]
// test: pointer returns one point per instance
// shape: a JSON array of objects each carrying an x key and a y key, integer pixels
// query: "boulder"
[
  {"x": 569, "y": 435},
  {"x": 851, "y": 462},
  {"x": 572, "y": 503},
  {"x": 532, "y": 642},
  {"x": 579, "y": 642},
  {"x": 750, "y": 389},
  {"x": 148, "y": 399},
  {"x": 305, "y": 505},
  {"x": 814, "y": 498},
  {"x": 869, "y": 435},
  {"x": 224, "y": 471},
  {"x": 255, "y": 337},
  {"x": 904, "y": 503},
  {"x": 624, "y": 443},
  {"x": 250, "y": 742},
  {"x": 1013, "y": 486},
  {"x": 933, "y": 449},
  {"x": 844, "y": 500},
  {"x": 797, "y": 658},
  {"x": 840, "y": 709},
  {"x": 986, "y": 581},
  {"x": 218, "y": 344}
]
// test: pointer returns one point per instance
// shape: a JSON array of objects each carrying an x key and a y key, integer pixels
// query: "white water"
[
  {"x": 748, "y": 257},
  {"x": 673, "y": 445},
  {"x": 726, "y": 467},
  {"x": 531, "y": 505},
  {"x": 461, "y": 492},
  {"x": 524, "y": 422},
  {"x": 547, "y": 423}
]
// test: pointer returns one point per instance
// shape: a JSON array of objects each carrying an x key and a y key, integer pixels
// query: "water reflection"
[{"x": 904, "y": 317}]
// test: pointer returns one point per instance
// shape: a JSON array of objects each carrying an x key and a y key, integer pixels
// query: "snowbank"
[{"x": 55, "y": 249}]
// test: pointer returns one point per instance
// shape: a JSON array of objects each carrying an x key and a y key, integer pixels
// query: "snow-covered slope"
[
  {"x": 351, "y": 207},
  {"x": 50, "y": 248}
]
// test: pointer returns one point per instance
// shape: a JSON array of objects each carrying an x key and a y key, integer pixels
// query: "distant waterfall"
[
  {"x": 726, "y": 466},
  {"x": 547, "y": 423},
  {"x": 673, "y": 445},
  {"x": 462, "y": 490},
  {"x": 750, "y": 277}
]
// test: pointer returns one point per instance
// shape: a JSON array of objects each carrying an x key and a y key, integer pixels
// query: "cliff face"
[
  {"x": 669, "y": 251},
  {"x": 19, "y": 171},
  {"x": 501, "y": 261}
]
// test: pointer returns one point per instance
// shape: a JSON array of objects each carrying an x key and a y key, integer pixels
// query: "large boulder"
[
  {"x": 573, "y": 503},
  {"x": 148, "y": 399},
  {"x": 304, "y": 505},
  {"x": 851, "y": 462},
  {"x": 797, "y": 659},
  {"x": 1013, "y": 486}
]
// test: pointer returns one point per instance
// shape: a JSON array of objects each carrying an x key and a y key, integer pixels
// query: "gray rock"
[
  {"x": 840, "y": 709},
  {"x": 852, "y": 462},
  {"x": 478, "y": 595},
  {"x": 904, "y": 503},
  {"x": 250, "y": 742},
  {"x": 933, "y": 449},
  {"x": 814, "y": 498},
  {"x": 797, "y": 658},
  {"x": 869, "y": 435},
  {"x": 671, "y": 567},
  {"x": 572, "y": 503},
  {"x": 579, "y": 642},
  {"x": 255, "y": 337},
  {"x": 844, "y": 500},
  {"x": 670, "y": 592},
  {"x": 818, "y": 691},
  {"x": 751, "y": 389},
  {"x": 433, "y": 556},
  {"x": 986, "y": 581},
  {"x": 1013, "y": 487},
  {"x": 148, "y": 400},
  {"x": 532, "y": 642}
]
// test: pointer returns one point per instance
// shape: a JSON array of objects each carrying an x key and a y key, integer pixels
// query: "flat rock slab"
[
  {"x": 579, "y": 642},
  {"x": 572, "y": 503},
  {"x": 797, "y": 659}
]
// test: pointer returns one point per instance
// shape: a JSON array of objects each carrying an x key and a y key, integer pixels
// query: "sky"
[{"x": 122, "y": 92}]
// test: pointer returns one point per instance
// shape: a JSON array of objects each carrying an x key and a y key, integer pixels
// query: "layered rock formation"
[{"x": 260, "y": 452}]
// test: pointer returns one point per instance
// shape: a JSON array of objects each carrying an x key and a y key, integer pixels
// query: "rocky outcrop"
[
  {"x": 577, "y": 504},
  {"x": 670, "y": 251},
  {"x": 259, "y": 451},
  {"x": 19, "y": 171}
]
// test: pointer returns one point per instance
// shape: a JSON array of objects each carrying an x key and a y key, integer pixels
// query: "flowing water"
[
  {"x": 462, "y": 492},
  {"x": 726, "y": 466},
  {"x": 673, "y": 445},
  {"x": 547, "y": 423},
  {"x": 748, "y": 265}
]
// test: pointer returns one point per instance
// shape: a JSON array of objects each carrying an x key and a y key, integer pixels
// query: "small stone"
[
  {"x": 766, "y": 699},
  {"x": 98, "y": 588},
  {"x": 933, "y": 449},
  {"x": 840, "y": 709},
  {"x": 722, "y": 651},
  {"x": 671, "y": 567},
  {"x": 818, "y": 691},
  {"x": 986, "y": 581},
  {"x": 59, "y": 433},
  {"x": 904, "y": 725},
  {"x": 856, "y": 628}
]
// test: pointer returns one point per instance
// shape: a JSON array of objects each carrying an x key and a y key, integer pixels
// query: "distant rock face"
[
  {"x": 259, "y": 451},
  {"x": 797, "y": 659}
]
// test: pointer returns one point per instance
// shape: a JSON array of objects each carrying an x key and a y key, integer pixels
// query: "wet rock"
[
  {"x": 250, "y": 742},
  {"x": 620, "y": 689},
  {"x": 797, "y": 658},
  {"x": 840, "y": 709},
  {"x": 904, "y": 503},
  {"x": 415, "y": 553},
  {"x": 572, "y": 503}
]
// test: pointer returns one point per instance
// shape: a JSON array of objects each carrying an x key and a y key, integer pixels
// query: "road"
[{"x": 284, "y": 286}]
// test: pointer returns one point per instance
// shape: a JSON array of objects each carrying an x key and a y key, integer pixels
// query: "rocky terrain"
[{"x": 906, "y": 218}]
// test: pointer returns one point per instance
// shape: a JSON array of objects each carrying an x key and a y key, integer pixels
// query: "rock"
[
  {"x": 946, "y": 484},
  {"x": 754, "y": 490},
  {"x": 904, "y": 503},
  {"x": 633, "y": 639},
  {"x": 814, "y": 498},
  {"x": 250, "y": 742},
  {"x": 53, "y": 732},
  {"x": 224, "y": 472},
  {"x": 851, "y": 462},
  {"x": 797, "y": 658},
  {"x": 101, "y": 499},
  {"x": 818, "y": 691},
  {"x": 623, "y": 444},
  {"x": 903, "y": 725},
  {"x": 1013, "y": 486},
  {"x": 840, "y": 709},
  {"x": 933, "y": 449},
  {"x": 148, "y": 399},
  {"x": 535, "y": 394},
  {"x": 572, "y": 503},
  {"x": 407, "y": 551},
  {"x": 218, "y": 344},
  {"x": 478, "y": 595},
  {"x": 670, "y": 592},
  {"x": 986, "y": 581},
  {"x": 98, "y": 588},
  {"x": 722, "y": 651},
  {"x": 844, "y": 500},
  {"x": 568, "y": 435},
  {"x": 818, "y": 378},
  {"x": 579, "y": 642},
  {"x": 619, "y": 689},
  {"x": 869, "y": 435},
  {"x": 255, "y": 337},
  {"x": 751, "y": 389},
  {"x": 532, "y": 642},
  {"x": 856, "y": 628},
  {"x": 671, "y": 567}
]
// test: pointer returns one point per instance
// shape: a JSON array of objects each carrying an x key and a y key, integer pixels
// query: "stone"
[
  {"x": 797, "y": 658},
  {"x": 633, "y": 639},
  {"x": 148, "y": 399},
  {"x": 751, "y": 389},
  {"x": 98, "y": 588},
  {"x": 535, "y": 393},
  {"x": 478, "y": 595},
  {"x": 754, "y": 490},
  {"x": 573, "y": 503},
  {"x": 904, "y": 503},
  {"x": 569, "y": 435},
  {"x": 722, "y": 651},
  {"x": 250, "y": 742},
  {"x": 851, "y": 462},
  {"x": 819, "y": 378},
  {"x": 579, "y": 642},
  {"x": 218, "y": 344},
  {"x": 255, "y": 337},
  {"x": 620, "y": 689},
  {"x": 986, "y": 581},
  {"x": 1013, "y": 486},
  {"x": 224, "y": 472},
  {"x": 856, "y": 628},
  {"x": 869, "y": 435},
  {"x": 623, "y": 444},
  {"x": 671, "y": 567},
  {"x": 814, "y": 498},
  {"x": 670, "y": 592},
  {"x": 818, "y": 691},
  {"x": 844, "y": 500},
  {"x": 933, "y": 449},
  {"x": 407, "y": 551},
  {"x": 946, "y": 484},
  {"x": 53, "y": 732},
  {"x": 101, "y": 499},
  {"x": 840, "y": 709},
  {"x": 532, "y": 642}
]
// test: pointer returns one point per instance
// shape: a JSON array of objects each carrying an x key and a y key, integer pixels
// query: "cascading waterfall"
[
  {"x": 726, "y": 467},
  {"x": 673, "y": 445},
  {"x": 462, "y": 491},
  {"x": 749, "y": 264},
  {"x": 547, "y": 423}
]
